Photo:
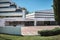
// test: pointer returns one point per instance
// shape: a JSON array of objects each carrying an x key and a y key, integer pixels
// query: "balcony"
[
  {"x": 7, "y": 9},
  {"x": 45, "y": 19},
  {"x": 5, "y": 5},
  {"x": 11, "y": 14},
  {"x": 4, "y": 0},
  {"x": 44, "y": 16},
  {"x": 14, "y": 19}
]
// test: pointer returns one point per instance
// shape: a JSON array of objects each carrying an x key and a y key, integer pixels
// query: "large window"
[
  {"x": 53, "y": 23},
  {"x": 13, "y": 23},
  {"x": 45, "y": 23},
  {"x": 4, "y": 2},
  {"x": 9, "y": 16},
  {"x": 29, "y": 23},
  {"x": 40, "y": 23}
]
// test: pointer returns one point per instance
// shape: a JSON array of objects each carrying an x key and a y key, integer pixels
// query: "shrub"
[
  {"x": 45, "y": 33},
  {"x": 55, "y": 31}
]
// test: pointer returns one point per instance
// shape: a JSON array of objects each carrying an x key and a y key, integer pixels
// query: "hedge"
[{"x": 55, "y": 31}]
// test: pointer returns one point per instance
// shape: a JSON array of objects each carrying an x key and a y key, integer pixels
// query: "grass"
[{"x": 11, "y": 37}]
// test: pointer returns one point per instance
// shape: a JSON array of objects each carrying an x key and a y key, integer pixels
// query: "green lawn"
[{"x": 11, "y": 37}]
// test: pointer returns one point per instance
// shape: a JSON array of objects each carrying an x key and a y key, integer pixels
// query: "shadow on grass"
[
  {"x": 5, "y": 38},
  {"x": 12, "y": 34}
]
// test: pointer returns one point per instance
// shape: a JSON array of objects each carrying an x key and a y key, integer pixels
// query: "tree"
[{"x": 56, "y": 7}]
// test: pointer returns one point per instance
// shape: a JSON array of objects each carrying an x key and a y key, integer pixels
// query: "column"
[
  {"x": 24, "y": 16},
  {"x": 35, "y": 23}
]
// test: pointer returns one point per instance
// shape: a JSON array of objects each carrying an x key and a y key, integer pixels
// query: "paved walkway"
[{"x": 31, "y": 30}]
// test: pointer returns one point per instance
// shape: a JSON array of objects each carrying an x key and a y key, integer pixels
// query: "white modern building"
[
  {"x": 12, "y": 18},
  {"x": 42, "y": 17}
]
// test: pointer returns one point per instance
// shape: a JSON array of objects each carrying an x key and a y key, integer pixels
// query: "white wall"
[
  {"x": 5, "y": 5},
  {"x": 45, "y": 19},
  {"x": 7, "y": 9},
  {"x": 12, "y": 14},
  {"x": 2, "y": 22},
  {"x": 4, "y": 0},
  {"x": 14, "y": 19}
]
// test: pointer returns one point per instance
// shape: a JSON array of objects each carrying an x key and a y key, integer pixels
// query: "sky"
[{"x": 34, "y": 5}]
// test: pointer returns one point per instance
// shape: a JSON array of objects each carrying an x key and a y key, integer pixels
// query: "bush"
[
  {"x": 45, "y": 33},
  {"x": 55, "y": 31}
]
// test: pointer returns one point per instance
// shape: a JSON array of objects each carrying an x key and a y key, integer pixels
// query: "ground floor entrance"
[
  {"x": 29, "y": 23},
  {"x": 46, "y": 23}
]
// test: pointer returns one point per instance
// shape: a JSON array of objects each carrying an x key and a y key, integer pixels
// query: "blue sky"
[{"x": 34, "y": 5}]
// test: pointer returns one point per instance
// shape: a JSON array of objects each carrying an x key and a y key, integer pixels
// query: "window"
[
  {"x": 4, "y": 2},
  {"x": 13, "y": 23},
  {"x": 9, "y": 16},
  {"x": 29, "y": 23}
]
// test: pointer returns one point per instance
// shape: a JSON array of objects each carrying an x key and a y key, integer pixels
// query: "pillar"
[
  {"x": 35, "y": 22},
  {"x": 24, "y": 12}
]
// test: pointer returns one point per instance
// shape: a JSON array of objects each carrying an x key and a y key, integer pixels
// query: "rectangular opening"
[
  {"x": 29, "y": 23},
  {"x": 13, "y": 23}
]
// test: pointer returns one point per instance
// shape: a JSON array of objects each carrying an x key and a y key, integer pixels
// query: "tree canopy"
[{"x": 56, "y": 6}]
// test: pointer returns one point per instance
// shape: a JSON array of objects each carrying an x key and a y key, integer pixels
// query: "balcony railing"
[
  {"x": 45, "y": 19},
  {"x": 4, "y": 0},
  {"x": 14, "y": 19},
  {"x": 5, "y": 5},
  {"x": 7, "y": 9},
  {"x": 11, "y": 14}
]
